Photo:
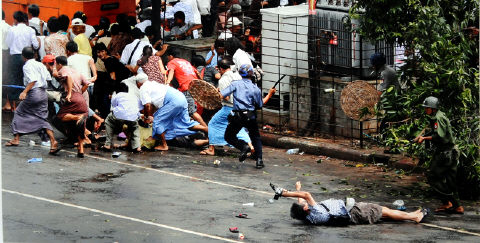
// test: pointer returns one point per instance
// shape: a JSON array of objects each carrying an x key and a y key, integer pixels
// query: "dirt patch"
[{"x": 107, "y": 176}]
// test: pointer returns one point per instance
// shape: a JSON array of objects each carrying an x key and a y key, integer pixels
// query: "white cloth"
[
  {"x": 225, "y": 34},
  {"x": 197, "y": 18},
  {"x": 154, "y": 93},
  {"x": 89, "y": 30},
  {"x": 239, "y": 58},
  {"x": 204, "y": 7},
  {"x": 5, "y": 27},
  {"x": 185, "y": 8},
  {"x": 132, "y": 86},
  {"x": 35, "y": 23},
  {"x": 34, "y": 71},
  {"x": 126, "y": 106},
  {"x": 41, "y": 51},
  {"x": 227, "y": 78},
  {"x": 79, "y": 62},
  {"x": 19, "y": 37},
  {"x": 127, "y": 52},
  {"x": 143, "y": 25},
  {"x": 283, "y": 2}
]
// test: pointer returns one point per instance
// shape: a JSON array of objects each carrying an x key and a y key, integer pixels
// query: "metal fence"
[{"x": 320, "y": 55}]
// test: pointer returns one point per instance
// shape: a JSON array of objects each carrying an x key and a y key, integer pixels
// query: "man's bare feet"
[
  {"x": 161, "y": 148},
  {"x": 209, "y": 151},
  {"x": 12, "y": 142},
  {"x": 444, "y": 207}
]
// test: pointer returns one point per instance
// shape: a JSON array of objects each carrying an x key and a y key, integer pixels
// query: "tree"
[{"x": 444, "y": 34}]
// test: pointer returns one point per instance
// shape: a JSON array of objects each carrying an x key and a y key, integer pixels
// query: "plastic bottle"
[
  {"x": 293, "y": 151},
  {"x": 400, "y": 205}
]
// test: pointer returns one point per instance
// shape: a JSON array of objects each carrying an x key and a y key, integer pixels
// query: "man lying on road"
[{"x": 335, "y": 212}]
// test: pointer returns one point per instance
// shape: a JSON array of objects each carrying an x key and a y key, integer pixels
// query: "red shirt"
[{"x": 184, "y": 72}]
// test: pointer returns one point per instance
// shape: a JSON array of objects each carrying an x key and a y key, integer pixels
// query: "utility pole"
[{"x": 156, "y": 23}]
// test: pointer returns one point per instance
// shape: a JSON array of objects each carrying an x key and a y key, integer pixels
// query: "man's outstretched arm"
[{"x": 301, "y": 195}]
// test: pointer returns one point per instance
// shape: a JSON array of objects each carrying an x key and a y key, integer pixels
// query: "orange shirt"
[{"x": 184, "y": 72}]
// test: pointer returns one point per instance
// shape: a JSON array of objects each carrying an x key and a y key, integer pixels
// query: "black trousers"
[{"x": 237, "y": 122}]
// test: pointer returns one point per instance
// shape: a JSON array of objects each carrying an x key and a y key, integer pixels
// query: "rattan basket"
[{"x": 358, "y": 96}]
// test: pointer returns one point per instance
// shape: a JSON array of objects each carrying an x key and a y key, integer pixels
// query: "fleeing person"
[
  {"x": 32, "y": 113},
  {"x": 386, "y": 72},
  {"x": 171, "y": 119},
  {"x": 125, "y": 111},
  {"x": 335, "y": 212},
  {"x": 18, "y": 37},
  {"x": 442, "y": 172}
]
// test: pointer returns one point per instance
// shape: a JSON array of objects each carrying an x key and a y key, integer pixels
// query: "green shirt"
[{"x": 442, "y": 136}]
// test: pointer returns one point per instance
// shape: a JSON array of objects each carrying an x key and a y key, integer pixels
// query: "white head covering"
[
  {"x": 77, "y": 21},
  {"x": 233, "y": 21},
  {"x": 141, "y": 78}
]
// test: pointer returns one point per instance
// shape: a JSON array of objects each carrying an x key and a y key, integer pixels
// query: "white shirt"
[
  {"x": 127, "y": 52},
  {"x": 132, "y": 86},
  {"x": 35, "y": 23},
  {"x": 225, "y": 34},
  {"x": 126, "y": 106},
  {"x": 197, "y": 18},
  {"x": 154, "y": 93},
  {"x": 143, "y": 25},
  {"x": 5, "y": 27},
  {"x": 19, "y": 37},
  {"x": 241, "y": 57},
  {"x": 204, "y": 6},
  {"x": 227, "y": 78},
  {"x": 34, "y": 71},
  {"x": 41, "y": 51},
  {"x": 79, "y": 62}
]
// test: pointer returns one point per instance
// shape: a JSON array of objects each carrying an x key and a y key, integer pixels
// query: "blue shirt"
[
  {"x": 319, "y": 215},
  {"x": 214, "y": 61},
  {"x": 246, "y": 95}
]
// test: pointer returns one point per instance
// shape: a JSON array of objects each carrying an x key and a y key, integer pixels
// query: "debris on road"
[
  {"x": 242, "y": 216},
  {"x": 35, "y": 160},
  {"x": 116, "y": 154},
  {"x": 400, "y": 205},
  {"x": 293, "y": 151},
  {"x": 241, "y": 236},
  {"x": 31, "y": 143},
  {"x": 233, "y": 229},
  {"x": 216, "y": 162},
  {"x": 271, "y": 200},
  {"x": 249, "y": 204}
]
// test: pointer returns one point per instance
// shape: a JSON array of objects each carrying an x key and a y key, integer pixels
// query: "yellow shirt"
[{"x": 83, "y": 44}]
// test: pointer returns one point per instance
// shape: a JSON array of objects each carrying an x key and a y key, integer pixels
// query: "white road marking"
[
  {"x": 234, "y": 186},
  {"x": 120, "y": 216}
]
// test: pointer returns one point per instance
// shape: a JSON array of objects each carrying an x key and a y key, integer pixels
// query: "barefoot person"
[
  {"x": 442, "y": 172},
  {"x": 335, "y": 212},
  {"x": 171, "y": 118},
  {"x": 73, "y": 109},
  {"x": 32, "y": 113}
]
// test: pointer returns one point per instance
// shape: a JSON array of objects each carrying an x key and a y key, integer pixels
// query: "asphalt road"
[{"x": 180, "y": 196}]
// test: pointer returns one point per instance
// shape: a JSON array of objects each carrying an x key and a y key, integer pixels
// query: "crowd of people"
[{"x": 115, "y": 79}]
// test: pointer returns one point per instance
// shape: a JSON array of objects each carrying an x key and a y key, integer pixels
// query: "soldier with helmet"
[{"x": 442, "y": 172}]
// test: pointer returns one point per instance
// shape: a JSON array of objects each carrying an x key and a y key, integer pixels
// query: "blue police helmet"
[
  {"x": 245, "y": 70},
  {"x": 378, "y": 59}
]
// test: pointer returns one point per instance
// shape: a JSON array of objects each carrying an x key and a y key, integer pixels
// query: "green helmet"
[{"x": 431, "y": 102}]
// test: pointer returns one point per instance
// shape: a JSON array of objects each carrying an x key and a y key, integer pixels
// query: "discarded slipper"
[
  {"x": 242, "y": 216},
  {"x": 233, "y": 229},
  {"x": 54, "y": 151},
  {"x": 457, "y": 210}
]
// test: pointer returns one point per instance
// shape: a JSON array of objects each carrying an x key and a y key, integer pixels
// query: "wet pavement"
[{"x": 180, "y": 196}]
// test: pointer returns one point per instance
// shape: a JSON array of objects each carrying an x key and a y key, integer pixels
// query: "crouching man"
[
  {"x": 125, "y": 111},
  {"x": 335, "y": 212}
]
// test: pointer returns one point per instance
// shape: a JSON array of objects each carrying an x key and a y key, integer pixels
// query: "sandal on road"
[{"x": 10, "y": 144}]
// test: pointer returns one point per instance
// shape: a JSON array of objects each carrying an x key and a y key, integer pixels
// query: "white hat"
[
  {"x": 141, "y": 78},
  {"x": 233, "y": 21},
  {"x": 77, "y": 21}
]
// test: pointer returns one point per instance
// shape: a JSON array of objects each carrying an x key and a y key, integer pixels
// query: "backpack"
[{"x": 338, "y": 220}]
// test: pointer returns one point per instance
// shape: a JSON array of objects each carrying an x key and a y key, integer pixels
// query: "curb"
[{"x": 333, "y": 151}]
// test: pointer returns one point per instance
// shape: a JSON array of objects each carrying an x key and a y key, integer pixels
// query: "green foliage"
[{"x": 445, "y": 66}]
